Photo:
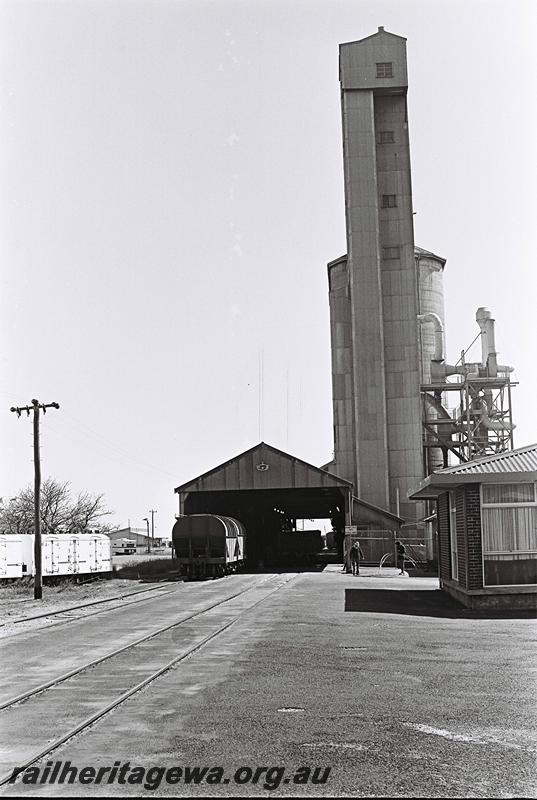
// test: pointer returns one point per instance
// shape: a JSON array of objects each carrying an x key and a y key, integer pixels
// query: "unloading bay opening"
[{"x": 269, "y": 516}]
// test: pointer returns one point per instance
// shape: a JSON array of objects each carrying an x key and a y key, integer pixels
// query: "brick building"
[{"x": 487, "y": 529}]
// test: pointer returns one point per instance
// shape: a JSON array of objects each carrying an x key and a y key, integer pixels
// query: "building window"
[
  {"x": 391, "y": 252},
  {"x": 385, "y": 69},
  {"x": 385, "y": 137},
  {"x": 453, "y": 537},
  {"x": 509, "y": 532},
  {"x": 389, "y": 201}
]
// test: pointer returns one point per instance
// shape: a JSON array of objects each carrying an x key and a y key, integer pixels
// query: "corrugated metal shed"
[{"x": 263, "y": 467}]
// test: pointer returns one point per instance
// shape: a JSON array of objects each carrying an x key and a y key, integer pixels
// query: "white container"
[
  {"x": 85, "y": 554},
  {"x": 65, "y": 547},
  {"x": 94, "y": 553},
  {"x": 10, "y": 556},
  {"x": 50, "y": 554},
  {"x": 61, "y": 554},
  {"x": 103, "y": 547},
  {"x": 27, "y": 554}
]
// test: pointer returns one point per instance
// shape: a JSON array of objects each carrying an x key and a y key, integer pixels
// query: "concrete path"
[{"x": 400, "y": 695}]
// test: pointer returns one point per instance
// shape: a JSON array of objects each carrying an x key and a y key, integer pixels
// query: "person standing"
[
  {"x": 356, "y": 554},
  {"x": 400, "y": 557}
]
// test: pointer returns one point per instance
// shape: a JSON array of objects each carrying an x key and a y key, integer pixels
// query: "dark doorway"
[{"x": 269, "y": 516}]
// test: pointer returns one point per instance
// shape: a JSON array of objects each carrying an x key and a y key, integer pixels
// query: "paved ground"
[{"x": 402, "y": 696}]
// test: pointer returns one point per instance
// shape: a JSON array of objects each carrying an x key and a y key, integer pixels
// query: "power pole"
[
  {"x": 148, "y": 539},
  {"x": 153, "y": 511},
  {"x": 36, "y": 405}
]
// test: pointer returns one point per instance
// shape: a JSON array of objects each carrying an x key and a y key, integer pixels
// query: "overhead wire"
[{"x": 104, "y": 444}]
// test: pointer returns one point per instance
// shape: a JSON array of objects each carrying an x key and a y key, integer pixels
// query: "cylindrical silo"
[{"x": 430, "y": 271}]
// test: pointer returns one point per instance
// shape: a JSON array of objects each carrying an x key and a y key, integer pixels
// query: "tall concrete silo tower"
[{"x": 375, "y": 290}]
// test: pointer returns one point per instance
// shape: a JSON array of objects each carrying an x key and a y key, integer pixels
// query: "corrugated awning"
[{"x": 512, "y": 466}]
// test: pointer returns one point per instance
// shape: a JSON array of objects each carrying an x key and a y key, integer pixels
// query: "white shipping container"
[
  {"x": 61, "y": 554},
  {"x": 94, "y": 553},
  {"x": 10, "y": 556},
  {"x": 27, "y": 554},
  {"x": 104, "y": 552},
  {"x": 65, "y": 549},
  {"x": 85, "y": 557},
  {"x": 50, "y": 554}
]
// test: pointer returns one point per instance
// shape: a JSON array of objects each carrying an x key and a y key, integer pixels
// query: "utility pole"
[
  {"x": 36, "y": 405},
  {"x": 148, "y": 539},
  {"x": 153, "y": 511}
]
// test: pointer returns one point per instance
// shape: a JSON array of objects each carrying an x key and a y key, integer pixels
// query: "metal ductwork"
[
  {"x": 488, "y": 345},
  {"x": 496, "y": 424},
  {"x": 438, "y": 333}
]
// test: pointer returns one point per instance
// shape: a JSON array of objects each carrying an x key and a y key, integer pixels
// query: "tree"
[{"x": 60, "y": 511}]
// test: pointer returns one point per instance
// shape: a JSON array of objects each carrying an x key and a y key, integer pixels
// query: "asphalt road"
[{"x": 405, "y": 695}]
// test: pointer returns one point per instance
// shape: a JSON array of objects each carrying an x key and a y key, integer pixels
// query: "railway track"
[
  {"x": 71, "y": 673},
  {"x": 72, "y": 608},
  {"x": 67, "y": 620},
  {"x": 94, "y": 685}
]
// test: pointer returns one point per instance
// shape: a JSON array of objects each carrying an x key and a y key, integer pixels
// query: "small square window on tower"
[
  {"x": 389, "y": 201},
  {"x": 391, "y": 252},
  {"x": 385, "y": 137},
  {"x": 384, "y": 69}
]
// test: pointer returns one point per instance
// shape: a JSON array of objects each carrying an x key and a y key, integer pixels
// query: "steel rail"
[
  {"x": 68, "y": 620},
  {"x": 76, "y": 670},
  {"x": 51, "y": 746},
  {"x": 74, "y": 608}
]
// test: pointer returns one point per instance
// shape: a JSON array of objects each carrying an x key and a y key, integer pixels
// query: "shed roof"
[
  {"x": 378, "y": 515},
  {"x": 513, "y": 465},
  {"x": 263, "y": 467}
]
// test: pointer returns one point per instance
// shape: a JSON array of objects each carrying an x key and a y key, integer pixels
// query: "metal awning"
[{"x": 513, "y": 466}]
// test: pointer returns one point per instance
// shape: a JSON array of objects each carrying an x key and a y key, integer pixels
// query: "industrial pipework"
[
  {"x": 482, "y": 423},
  {"x": 487, "y": 368},
  {"x": 438, "y": 334}
]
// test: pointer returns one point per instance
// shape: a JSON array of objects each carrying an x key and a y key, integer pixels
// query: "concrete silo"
[
  {"x": 430, "y": 272},
  {"x": 390, "y": 379},
  {"x": 380, "y": 351}
]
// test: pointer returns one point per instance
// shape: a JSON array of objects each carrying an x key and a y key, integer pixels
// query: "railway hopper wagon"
[
  {"x": 208, "y": 545},
  {"x": 62, "y": 554}
]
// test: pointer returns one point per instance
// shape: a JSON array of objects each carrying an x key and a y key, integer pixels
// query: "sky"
[{"x": 171, "y": 192}]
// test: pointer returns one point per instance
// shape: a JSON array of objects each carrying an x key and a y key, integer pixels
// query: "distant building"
[
  {"x": 487, "y": 529},
  {"x": 139, "y": 536}
]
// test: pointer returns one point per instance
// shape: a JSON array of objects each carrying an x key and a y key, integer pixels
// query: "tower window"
[
  {"x": 384, "y": 69},
  {"x": 391, "y": 252},
  {"x": 385, "y": 137},
  {"x": 389, "y": 201}
]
